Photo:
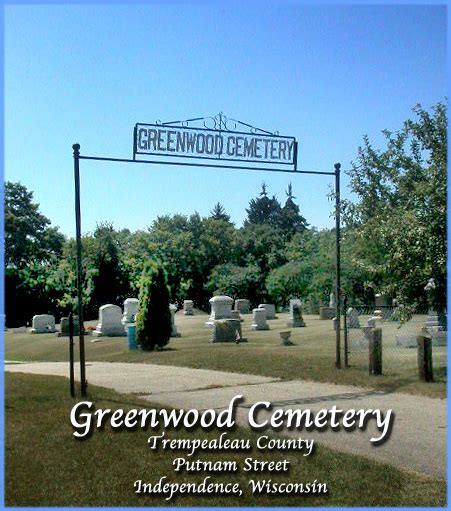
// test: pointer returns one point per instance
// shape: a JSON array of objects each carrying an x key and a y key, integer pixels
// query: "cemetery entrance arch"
[{"x": 215, "y": 142}]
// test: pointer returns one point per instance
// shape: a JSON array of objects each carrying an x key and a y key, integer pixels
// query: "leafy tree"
[
  {"x": 32, "y": 250},
  {"x": 190, "y": 248},
  {"x": 262, "y": 245},
  {"x": 28, "y": 235},
  {"x": 263, "y": 210},
  {"x": 32, "y": 289},
  {"x": 237, "y": 282},
  {"x": 153, "y": 321},
  {"x": 218, "y": 213},
  {"x": 400, "y": 218}
]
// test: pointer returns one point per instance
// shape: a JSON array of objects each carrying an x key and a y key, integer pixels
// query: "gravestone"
[
  {"x": 110, "y": 322},
  {"x": 243, "y": 306},
  {"x": 188, "y": 308},
  {"x": 383, "y": 305},
  {"x": 374, "y": 322},
  {"x": 64, "y": 327},
  {"x": 221, "y": 308},
  {"x": 406, "y": 341},
  {"x": 327, "y": 312},
  {"x": 363, "y": 342},
  {"x": 432, "y": 323},
  {"x": 43, "y": 324},
  {"x": 173, "y": 310},
  {"x": 130, "y": 310},
  {"x": 439, "y": 338},
  {"x": 295, "y": 320},
  {"x": 227, "y": 330},
  {"x": 335, "y": 324},
  {"x": 259, "y": 319},
  {"x": 332, "y": 302},
  {"x": 352, "y": 318},
  {"x": 270, "y": 310},
  {"x": 382, "y": 300}
]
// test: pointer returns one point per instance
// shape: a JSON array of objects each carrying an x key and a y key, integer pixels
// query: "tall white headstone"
[
  {"x": 110, "y": 324},
  {"x": 173, "y": 309},
  {"x": 259, "y": 319},
  {"x": 332, "y": 303},
  {"x": 130, "y": 310}
]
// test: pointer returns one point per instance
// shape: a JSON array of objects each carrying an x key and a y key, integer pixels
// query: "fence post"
[
  {"x": 425, "y": 358},
  {"x": 345, "y": 330},
  {"x": 71, "y": 354},
  {"x": 375, "y": 349}
]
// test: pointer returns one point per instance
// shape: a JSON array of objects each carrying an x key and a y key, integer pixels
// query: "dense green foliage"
[
  {"x": 28, "y": 237},
  {"x": 153, "y": 321},
  {"x": 109, "y": 279},
  {"x": 400, "y": 219},
  {"x": 31, "y": 248},
  {"x": 393, "y": 241}
]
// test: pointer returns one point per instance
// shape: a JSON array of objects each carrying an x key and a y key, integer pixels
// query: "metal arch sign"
[{"x": 183, "y": 141}]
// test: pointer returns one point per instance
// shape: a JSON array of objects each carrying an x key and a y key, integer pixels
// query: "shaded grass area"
[
  {"x": 46, "y": 466},
  {"x": 311, "y": 358}
]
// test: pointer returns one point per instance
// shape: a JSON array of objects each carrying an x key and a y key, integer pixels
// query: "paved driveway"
[{"x": 417, "y": 441}]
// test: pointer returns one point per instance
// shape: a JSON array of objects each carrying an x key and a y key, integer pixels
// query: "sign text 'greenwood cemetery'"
[{"x": 186, "y": 142}]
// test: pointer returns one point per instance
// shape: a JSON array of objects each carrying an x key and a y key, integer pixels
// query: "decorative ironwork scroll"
[{"x": 214, "y": 138}]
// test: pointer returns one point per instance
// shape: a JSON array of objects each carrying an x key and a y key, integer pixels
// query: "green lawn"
[
  {"x": 312, "y": 357},
  {"x": 46, "y": 466}
]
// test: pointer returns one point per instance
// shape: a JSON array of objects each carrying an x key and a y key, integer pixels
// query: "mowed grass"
[
  {"x": 312, "y": 357},
  {"x": 46, "y": 466}
]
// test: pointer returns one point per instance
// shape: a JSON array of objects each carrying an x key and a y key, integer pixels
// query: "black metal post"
[
  {"x": 81, "y": 333},
  {"x": 345, "y": 329},
  {"x": 71, "y": 355},
  {"x": 338, "y": 269}
]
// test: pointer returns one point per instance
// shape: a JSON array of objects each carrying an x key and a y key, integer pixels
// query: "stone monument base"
[
  {"x": 326, "y": 312},
  {"x": 48, "y": 331},
  {"x": 254, "y": 326},
  {"x": 295, "y": 323},
  {"x": 226, "y": 330},
  {"x": 439, "y": 338},
  {"x": 406, "y": 341},
  {"x": 116, "y": 333},
  {"x": 362, "y": 343}
]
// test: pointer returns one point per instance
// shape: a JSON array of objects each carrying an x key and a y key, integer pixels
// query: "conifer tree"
[
  {"x": 290, "y": 220},
  {"x": 263, "y": 210},
  {"x": 218, "y": 213},
  {"x": 153, "y": 321}
]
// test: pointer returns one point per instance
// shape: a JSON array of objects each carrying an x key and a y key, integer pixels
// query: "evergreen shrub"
[{"x": 153, "y": 320}]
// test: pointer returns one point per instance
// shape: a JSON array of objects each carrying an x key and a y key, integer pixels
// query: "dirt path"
[{"x": 418, "y": 441}]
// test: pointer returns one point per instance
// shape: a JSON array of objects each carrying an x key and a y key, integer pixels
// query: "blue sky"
[{"x": 324, "y": 74}]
